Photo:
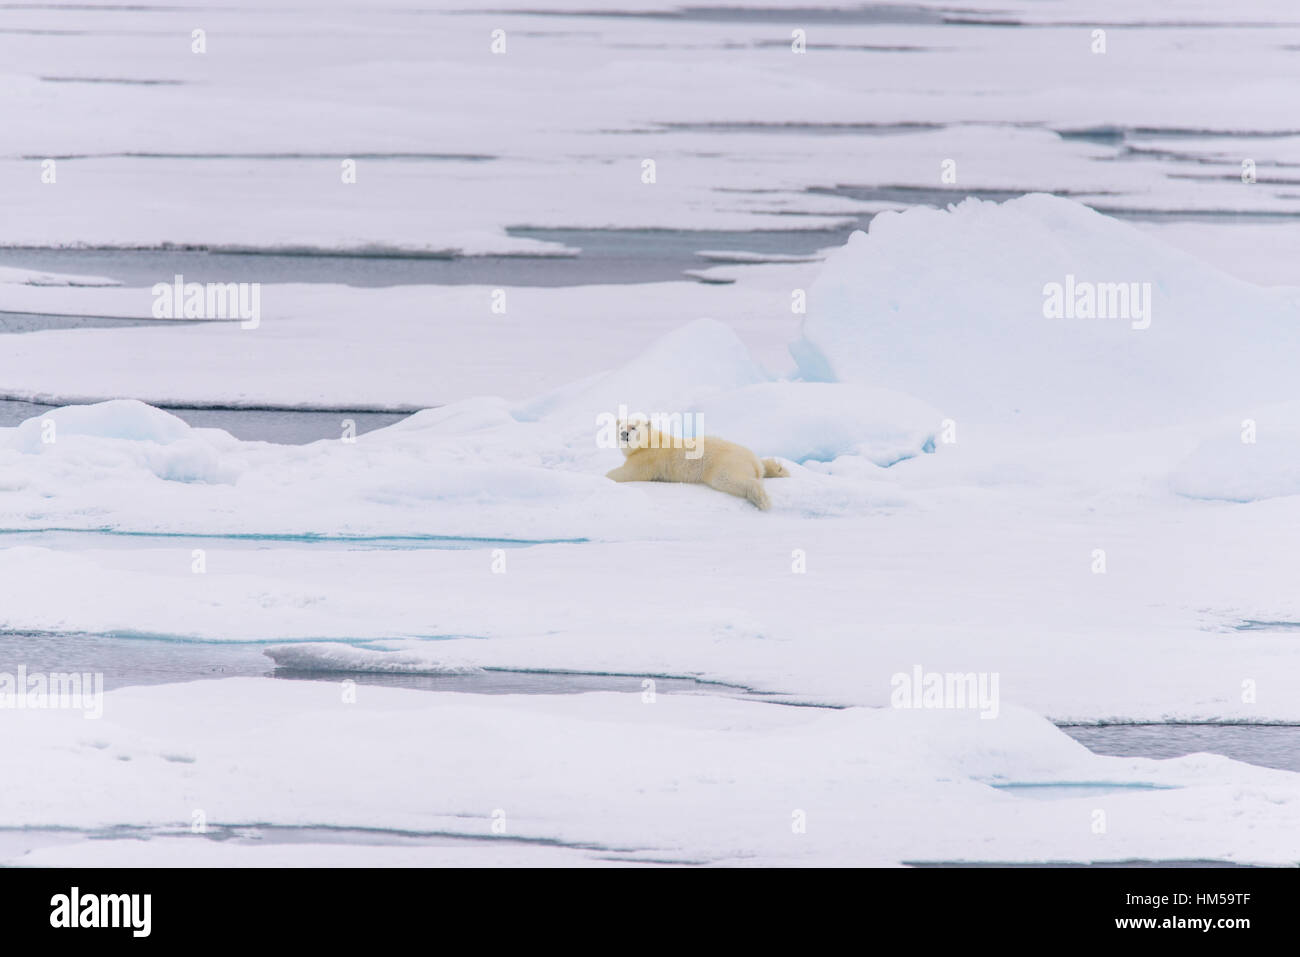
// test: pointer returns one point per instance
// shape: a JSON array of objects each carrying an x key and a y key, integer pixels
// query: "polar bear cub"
[{"x": 726, "y": 466}]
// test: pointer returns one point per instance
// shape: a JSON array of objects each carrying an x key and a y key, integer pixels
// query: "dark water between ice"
[
  {"x": 285, "y": 426},
  {"x": 607, "y": 256},
  {"x": 19, "y": 322},
  {"x": 1272, "y": 746},
  {"x": 125, "y": 661}
]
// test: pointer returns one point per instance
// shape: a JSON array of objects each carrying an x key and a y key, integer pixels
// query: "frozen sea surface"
[
  {"x": 974, "y": 555},
  {"x": 747, "y": 136}
]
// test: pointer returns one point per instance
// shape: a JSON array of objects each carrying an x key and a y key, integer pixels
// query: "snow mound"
[
  {"x": 116, "y": 419},
  {"x": 953, "y": 305},
  {"x": 335, "y": 656},
  {"x": 701, "y": 358},
  {"x": 122, "y": 433},
  {"x": 483, "y": 467},
  {"x": 821, "y": 421},
  {"x": 1225, "y": 468}
]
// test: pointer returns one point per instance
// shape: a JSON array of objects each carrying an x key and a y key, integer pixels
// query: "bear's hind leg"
[{"x": 751, "y": 489}]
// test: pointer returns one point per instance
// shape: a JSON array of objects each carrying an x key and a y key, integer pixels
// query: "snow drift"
[
  {"x": 479, "y": 467},
  {"x": 121, "y": 436},
  {"x": 821, "y": 421},
  {"x": 950, "y": 305},
  {"x": 701, "y": 358},
  {"x": 1228, "y": 468}
]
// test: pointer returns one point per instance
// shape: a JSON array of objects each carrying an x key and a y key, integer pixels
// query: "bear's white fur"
[{"x": 707, "y": 460}]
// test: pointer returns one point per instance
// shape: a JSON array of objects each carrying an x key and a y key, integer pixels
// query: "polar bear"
[{"x": 726, "y": 466}]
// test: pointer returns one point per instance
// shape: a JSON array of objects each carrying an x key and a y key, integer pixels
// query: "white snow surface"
[
  {"x": 925, "y": 535},
  {"x": 951, "y": 305},
  {"x": 1102, "y": 517},
  {"x": 733, "y": 120},
  {"x": 324, "y": 346},
  {"x": 1241, "y": 465},
  {"x": 685, "y": 779}
]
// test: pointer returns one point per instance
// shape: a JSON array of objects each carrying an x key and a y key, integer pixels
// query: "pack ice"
[{"x": 976, "y": 488}]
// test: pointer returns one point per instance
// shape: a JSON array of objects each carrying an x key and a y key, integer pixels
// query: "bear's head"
[{"x": 633, "y": 434}]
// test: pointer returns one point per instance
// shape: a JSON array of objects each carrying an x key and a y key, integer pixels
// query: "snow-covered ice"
[
  {"x": 955, "y": 305},
  {"x": 936, "y": 534},
  {"x": 1097, "y": 514},
  {"x": 686, "y": 779}
]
